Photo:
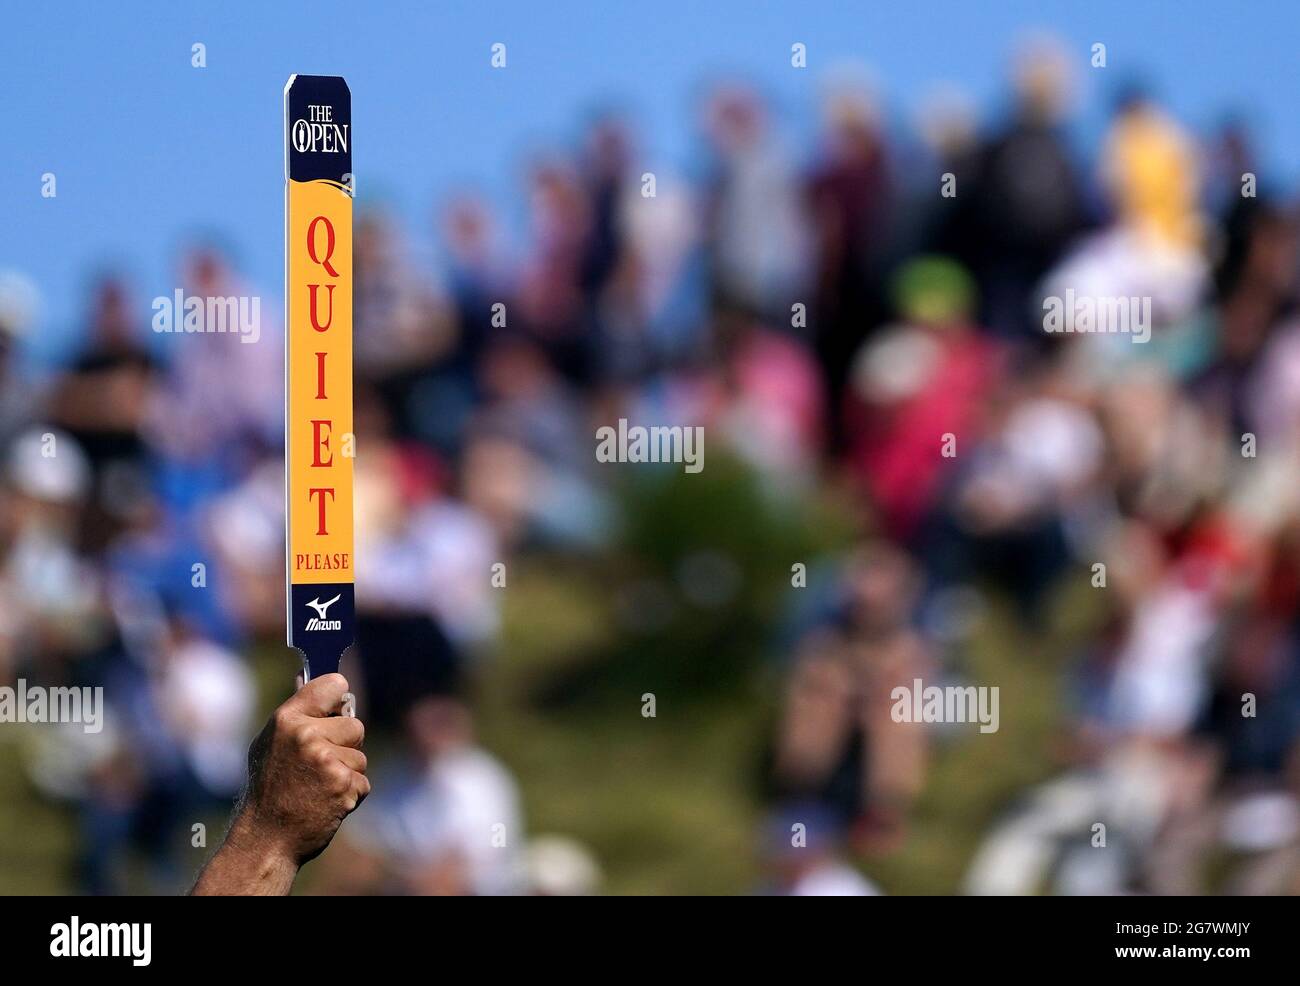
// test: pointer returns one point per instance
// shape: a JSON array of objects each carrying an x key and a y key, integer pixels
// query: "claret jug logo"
[{"x": 319, "y": 132}]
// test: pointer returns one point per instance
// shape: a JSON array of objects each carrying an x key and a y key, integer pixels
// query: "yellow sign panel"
[{"x": 319, "y": 384}]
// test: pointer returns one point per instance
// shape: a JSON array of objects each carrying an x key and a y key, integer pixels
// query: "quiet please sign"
[{"x": 318, "y": 369}]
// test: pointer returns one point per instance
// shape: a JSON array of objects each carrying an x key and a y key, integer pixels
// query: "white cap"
[
  {"x": 48, "y": 464},
  {"x": 18, "y": 302}
]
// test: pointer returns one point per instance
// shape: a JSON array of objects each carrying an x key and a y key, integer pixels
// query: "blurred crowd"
[{"x": 863, "y": 315}]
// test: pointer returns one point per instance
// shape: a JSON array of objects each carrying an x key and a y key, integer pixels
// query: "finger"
[
  {"x": 355, "y": 792},
  {"x": 298, "y": 682},
  {"x": 321, "y": 696},
  {"x": 353, "y": 759},
  {"x": 360, "y": 786},
  {"x": 340, "y": 731}
]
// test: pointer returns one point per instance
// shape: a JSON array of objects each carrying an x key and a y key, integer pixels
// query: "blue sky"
[{"x": 149, "y": 151}]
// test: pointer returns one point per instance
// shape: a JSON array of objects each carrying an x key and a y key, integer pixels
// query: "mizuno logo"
[{"x": 321, "y": 609}]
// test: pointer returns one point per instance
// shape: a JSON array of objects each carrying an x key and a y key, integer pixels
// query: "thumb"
[{"x": 321, "y": 696}]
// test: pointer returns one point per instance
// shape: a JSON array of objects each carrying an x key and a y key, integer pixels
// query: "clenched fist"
[{"x": 306, "y": 773}]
